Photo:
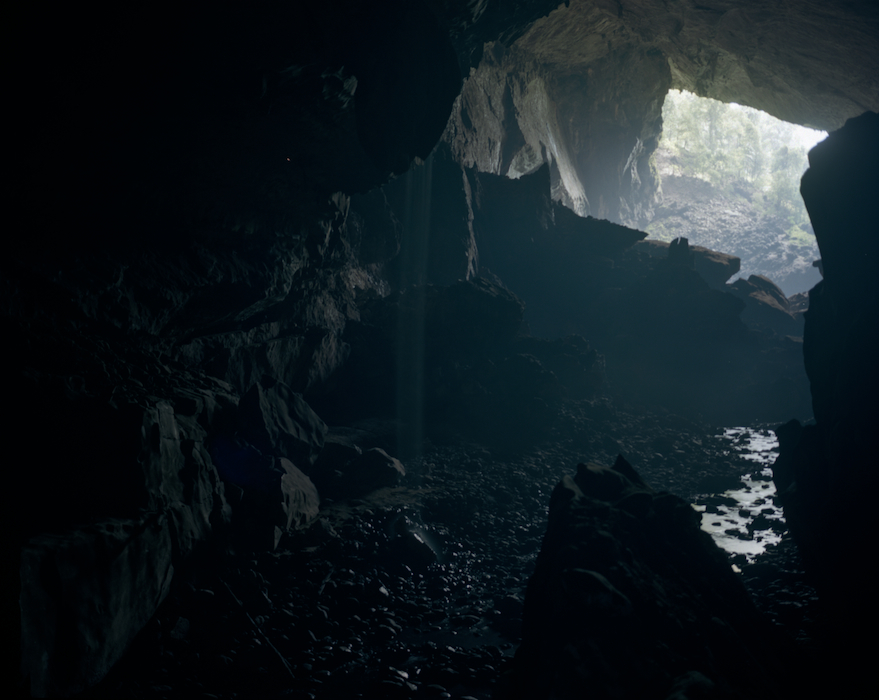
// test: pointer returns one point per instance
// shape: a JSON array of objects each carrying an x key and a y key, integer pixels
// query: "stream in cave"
[{"x": 745, "y": 520}]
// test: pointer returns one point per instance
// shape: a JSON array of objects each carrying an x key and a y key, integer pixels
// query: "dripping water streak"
[{"x": 410, "y": 322}]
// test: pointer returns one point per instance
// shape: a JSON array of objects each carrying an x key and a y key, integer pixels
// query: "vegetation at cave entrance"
[{"x": 740, "y": 166}]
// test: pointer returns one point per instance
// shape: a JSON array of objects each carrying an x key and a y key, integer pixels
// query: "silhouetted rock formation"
[
  {"x": 715, "y": 268},
  {"x": 668, "y": 336},
  {"x": 766, "y": 306},
  {"x": 631, "y": 599},
  {"x": 826, "y": 472}
]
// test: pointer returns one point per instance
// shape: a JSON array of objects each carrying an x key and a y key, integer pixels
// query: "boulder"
[
  {"x": 270, "y": 496},
  {"x": 86, "y": 594},
  {"x": 770, "y": 289},
  {"x": 375, "y": 466},
  {"x": 715, "y": 268},
  {"x": 299, "y": 501},
  {"x": 629, "y": 595},
  {"x": 347, "y": 472},
  {"x": 798, "y": 304},
  {"x": 278, "y": 421},
  {"x": 137, "y": 495},
  {"x": 766, "y": 306}
]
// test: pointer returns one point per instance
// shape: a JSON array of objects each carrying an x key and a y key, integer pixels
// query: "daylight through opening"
[{"x": 730, "y": 180}]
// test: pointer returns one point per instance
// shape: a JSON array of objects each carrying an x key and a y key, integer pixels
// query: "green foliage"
[
  {"x": 730, "y": 146},
  {"x": 658, "y": 231},
  {"x": 796, "y": 236}
]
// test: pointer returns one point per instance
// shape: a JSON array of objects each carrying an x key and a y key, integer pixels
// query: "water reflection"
[{"x": 745, "y": 520}]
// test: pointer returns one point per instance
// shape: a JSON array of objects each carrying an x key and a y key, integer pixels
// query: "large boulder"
[
  {"x": 630, "y": 598},
  {"x": 346, "y": 471},
  {"x": 86, "y": 594},
  {"x": 101, "y": 539},
  {"x": 766, "y": 306},
  {"x": 270, "y": 496}
]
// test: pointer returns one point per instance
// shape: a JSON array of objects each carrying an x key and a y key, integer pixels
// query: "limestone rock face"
[
  {"x": 629, "y": 596},
  {"x": 561, "y": 93},
  {"x": 278, "y": 421},
  {"x": 516, "y": 114},
  {"x": 729, "y": 50}
]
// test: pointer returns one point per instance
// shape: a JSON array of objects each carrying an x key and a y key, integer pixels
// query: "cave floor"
[{"x": 417, "y": 591}]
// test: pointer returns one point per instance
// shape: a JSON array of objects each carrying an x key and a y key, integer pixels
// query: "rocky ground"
[{"x": 417, "y": 591}]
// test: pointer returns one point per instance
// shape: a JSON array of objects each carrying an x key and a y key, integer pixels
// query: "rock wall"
[
  {"x": 826, "y": 471},
  {"x": 516, "y": 113}
]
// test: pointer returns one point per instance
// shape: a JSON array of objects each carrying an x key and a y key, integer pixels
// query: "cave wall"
[
  {"x": 826, "y": 471},
  {"x": 565, "y": 91},
  {"x": 200, "y": 209},
  {"x": 515, "y": 114}
]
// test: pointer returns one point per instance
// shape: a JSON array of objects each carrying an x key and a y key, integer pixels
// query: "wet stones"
[{"x": 347, "y": 609}]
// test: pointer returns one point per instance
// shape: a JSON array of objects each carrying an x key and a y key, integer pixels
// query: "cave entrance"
[{"x": 730, "y": 179}]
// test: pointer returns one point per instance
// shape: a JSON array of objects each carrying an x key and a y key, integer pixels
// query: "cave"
[{"x": 360, "y": 379}]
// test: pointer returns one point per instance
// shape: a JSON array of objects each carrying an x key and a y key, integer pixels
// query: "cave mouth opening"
[{"x": 729, "y": 181}]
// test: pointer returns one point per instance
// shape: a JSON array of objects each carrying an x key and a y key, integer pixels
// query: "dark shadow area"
[{"x": 319, "y": 390}]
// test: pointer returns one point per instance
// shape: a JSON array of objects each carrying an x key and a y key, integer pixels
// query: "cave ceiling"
[
  {"x": 811, "y": 63},
  {"x": 582, "y": 87},
  {"x": 232, "y": 126},
  {"x": 222, "y": 110}
]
